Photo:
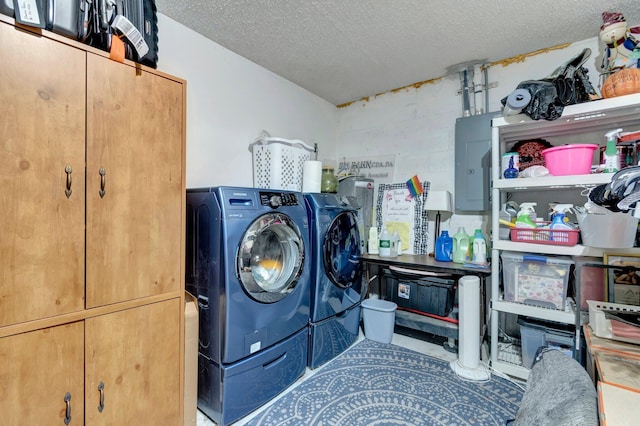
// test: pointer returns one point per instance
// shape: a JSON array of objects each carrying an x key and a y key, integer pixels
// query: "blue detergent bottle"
[{"x": 444, "y": 247}]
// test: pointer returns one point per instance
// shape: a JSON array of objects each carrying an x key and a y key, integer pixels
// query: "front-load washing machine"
[
  {"x": 337, "y": 286},
  {"x": 247, "y": 263}
]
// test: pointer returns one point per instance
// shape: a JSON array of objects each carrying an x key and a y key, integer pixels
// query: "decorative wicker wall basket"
[{"x": 623, "y": 82}]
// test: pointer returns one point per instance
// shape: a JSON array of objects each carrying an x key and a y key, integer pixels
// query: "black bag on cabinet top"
[
  {"x": 135, "y": 21},
  {"x": 95, "y": 22},
  {"x": 68, "y": 18}
]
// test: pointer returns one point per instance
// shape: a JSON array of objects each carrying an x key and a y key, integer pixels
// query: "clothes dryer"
[
  {"x": 336, "y": 280},
  {"x": 247, "y": 263}
]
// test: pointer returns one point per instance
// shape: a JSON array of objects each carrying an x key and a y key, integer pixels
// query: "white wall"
[
  {"x": 230, "y": 100},
  {"x": 418, "y": 124}
]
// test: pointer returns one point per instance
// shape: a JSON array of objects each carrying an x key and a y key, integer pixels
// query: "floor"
[{"x": 421, "y": 344}]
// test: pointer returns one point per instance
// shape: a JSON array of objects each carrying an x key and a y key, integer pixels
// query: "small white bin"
[
  {"x": 379, "y": 318},
  {"x": 277, "y": 163}
]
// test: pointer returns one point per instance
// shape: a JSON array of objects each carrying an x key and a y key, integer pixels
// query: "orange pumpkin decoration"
[{"x": 623, "y": 82}]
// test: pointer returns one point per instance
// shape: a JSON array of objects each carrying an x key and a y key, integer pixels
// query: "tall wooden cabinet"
[{"x": 92, "y": 157}]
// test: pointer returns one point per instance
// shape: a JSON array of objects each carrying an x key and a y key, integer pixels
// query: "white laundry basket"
[
  {"x": 277, "y": 163},
  {"x": 379, "y": 318}
]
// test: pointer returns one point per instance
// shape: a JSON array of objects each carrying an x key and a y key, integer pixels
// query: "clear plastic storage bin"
[
  {"x": 536, "y": 280},
  {"x": 535, "y": 334}
]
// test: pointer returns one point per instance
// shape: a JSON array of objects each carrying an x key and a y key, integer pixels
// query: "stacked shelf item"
[{"x": 581, "y": 123}]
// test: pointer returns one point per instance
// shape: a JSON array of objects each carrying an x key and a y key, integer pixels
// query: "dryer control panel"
[{"x": 278, "y": 199}]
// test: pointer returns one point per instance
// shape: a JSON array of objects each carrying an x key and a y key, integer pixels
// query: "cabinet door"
[
  {"x": 42, "y": 116},
  {"x": 135, "y": 355},
  {"x": 134, "y": 227},
  {"x": 37, "y": 370}
]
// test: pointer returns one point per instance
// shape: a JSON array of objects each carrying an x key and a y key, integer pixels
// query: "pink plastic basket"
[
  {"x": 569, "y": 159},
  {"x": 558, "y": 237}
]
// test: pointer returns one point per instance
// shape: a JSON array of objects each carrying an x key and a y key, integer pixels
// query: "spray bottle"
[
  {"x": 526, "y": 216},
  {"x": 560, "y": 220},
  {"x": 611, "y": 158},
  {"x": 561, "y": 224}
]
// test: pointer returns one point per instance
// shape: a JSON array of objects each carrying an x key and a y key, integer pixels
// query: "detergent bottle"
[
  {"x": 508, "y": 213},
  {"x": 444, "y": 247},
  {"x": 479, "y": 252},
  {"x": 460, "y": 246},
  {"x": 611, "y": 157},
  {"x": 526, "y": 216}
]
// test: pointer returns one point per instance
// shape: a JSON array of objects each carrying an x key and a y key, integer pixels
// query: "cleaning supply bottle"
[
  {"x": 395, "y": 241},
  {"x": 561, "y": 222},
  {"x": 373, "y": 240},
  {"x": 526, "y": 216},
  {"x": 479, "y": 248},
  {"x": 384, "y": 244},
  {"x": 508, "y": 213},
  {"x": 611, "y": 157},
  {"x": 510, "y": 172},
  {"x": 560, "y": 219},
  {"x": 444, "y": 247},
  {"x": 460, "y": 246}
]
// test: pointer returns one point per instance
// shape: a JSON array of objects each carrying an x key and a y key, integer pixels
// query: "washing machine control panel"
[{"x": 278, "y": 199}]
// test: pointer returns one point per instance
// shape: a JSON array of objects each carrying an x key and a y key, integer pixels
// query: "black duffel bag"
[{"x": 569, "y": 84}]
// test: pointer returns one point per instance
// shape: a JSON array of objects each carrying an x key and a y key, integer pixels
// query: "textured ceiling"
[{"x": 344, "y": 50}]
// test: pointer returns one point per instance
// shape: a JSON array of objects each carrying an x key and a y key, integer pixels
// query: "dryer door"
[
  {"x": 270, "y": 257},
  {"x": 341, "y": 253}
]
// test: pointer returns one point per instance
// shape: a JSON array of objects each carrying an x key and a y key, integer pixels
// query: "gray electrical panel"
[{"x": 473, "y": 163}]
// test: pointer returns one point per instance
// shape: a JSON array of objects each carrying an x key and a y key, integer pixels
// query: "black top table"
[{"x": 374, "y": 265}]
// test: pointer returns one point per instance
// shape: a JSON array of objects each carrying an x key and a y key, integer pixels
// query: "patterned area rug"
[{"x": 379, "y": 384}]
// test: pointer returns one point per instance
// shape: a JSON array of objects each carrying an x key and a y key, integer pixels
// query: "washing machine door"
[
  {"x": 341, "y": 252},
  {"x": 270, "y": 258}
]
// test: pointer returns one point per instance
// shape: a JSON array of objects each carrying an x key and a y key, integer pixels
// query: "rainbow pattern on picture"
[{"x": 414, "y": 186}]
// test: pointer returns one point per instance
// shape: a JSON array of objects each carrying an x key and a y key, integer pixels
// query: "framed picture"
[
  {"x": 399, "y": 211},
  {"x": 623, "y": 281}
]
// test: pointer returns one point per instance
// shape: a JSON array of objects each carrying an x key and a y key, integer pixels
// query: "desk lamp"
[{"x": 438, "y": 201}]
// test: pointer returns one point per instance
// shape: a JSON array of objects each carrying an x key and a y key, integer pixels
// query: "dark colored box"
[{"x": 430, "y": 295}]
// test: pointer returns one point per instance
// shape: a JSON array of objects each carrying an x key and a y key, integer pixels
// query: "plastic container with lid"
[
  {"x": 328, "y": 181},
  {"x": 535, "y": 279}
]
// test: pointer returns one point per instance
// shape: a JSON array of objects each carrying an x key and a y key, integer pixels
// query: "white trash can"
[{"x": 379, "y": 319}]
